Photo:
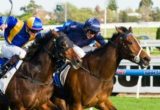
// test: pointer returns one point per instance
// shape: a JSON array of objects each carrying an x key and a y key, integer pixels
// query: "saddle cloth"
[
  {"x": 60, "y": 78},
  {"x": 4, "y": 81}
]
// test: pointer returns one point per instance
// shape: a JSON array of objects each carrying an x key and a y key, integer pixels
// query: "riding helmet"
[
  {"x": 92, "y": 24},
  {"x": 34, "y": 23}
]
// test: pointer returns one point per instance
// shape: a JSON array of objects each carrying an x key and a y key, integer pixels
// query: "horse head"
[
  {"x": 55, "y": 44},
  {"x": 65, "y": 48},
  {"x": 129, "y": 47}
]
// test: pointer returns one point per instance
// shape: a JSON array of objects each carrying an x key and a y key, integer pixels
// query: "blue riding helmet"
[
  {"x": 92, "y": 24},
  {"x": 2, "y": 20},
  {"x": 34, "y": 23}
]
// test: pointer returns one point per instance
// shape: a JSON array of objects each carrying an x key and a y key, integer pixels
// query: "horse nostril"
[{"x": 148, "y": 59}]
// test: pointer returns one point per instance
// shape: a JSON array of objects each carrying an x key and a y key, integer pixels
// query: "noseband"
[{"x": 137, "y": 57}]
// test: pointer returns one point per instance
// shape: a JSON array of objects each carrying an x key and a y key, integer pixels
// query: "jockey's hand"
[
  {"x": 27, "y": 45},
  {"x": 3, "y": 27},
  {"x": 97, "y": 45}
]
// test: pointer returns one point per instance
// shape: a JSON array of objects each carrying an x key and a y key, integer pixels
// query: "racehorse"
[
  {"x": 31, "y": 86},
  {"x": 92, "y": 84}
]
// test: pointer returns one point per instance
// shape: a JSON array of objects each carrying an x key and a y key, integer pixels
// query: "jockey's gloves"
[
  {"x": 22, "y": 54},
  {"x": 79, "y": 51}
]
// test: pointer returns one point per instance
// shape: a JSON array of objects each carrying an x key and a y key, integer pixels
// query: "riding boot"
[{"x": 10, "y": 63}]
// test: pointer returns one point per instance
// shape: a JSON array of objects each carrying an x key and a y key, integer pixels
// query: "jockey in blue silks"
[
  {"x": 87, "y": 35},
  {"x": 17, "y": 33}
]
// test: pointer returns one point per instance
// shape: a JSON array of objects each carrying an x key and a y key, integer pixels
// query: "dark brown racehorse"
[
  {"x": 31, "y": 86},
  {"x": 92, "y": 84}
]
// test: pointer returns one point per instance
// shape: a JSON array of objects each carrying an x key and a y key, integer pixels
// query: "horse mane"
[
  {"x": 39, "y": 43},
  {"x": 123, "y": 29},
  {"x": 114, "y": 37},
  {"x": 97, "y": 52}
]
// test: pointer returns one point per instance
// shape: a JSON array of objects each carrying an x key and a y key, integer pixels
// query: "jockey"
[
  {"x": 17, "y": 33},
  {"x": 87, "y": 35}
]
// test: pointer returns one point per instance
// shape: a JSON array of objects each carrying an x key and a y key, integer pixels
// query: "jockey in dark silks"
[
  {"x": 17, "y": 33},
  {"x": 86, "y": 36}
]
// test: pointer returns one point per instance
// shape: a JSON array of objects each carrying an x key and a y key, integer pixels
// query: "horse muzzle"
[{"x": 144, "y": 62}]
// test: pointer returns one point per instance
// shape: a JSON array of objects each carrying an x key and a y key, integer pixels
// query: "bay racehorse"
[
  {"x": 92, "y": 84},
  {"x": 31, "y": 86}
]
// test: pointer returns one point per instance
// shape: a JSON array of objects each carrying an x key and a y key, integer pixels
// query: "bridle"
[{"x": 136, "y": 57}]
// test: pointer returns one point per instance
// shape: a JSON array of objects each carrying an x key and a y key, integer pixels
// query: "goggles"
[
  {"x": 33, "y": 31},
  {"x": 91, "y": 31}
]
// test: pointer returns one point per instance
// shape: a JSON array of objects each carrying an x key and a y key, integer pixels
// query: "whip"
[{"x": 10, "y": 12}]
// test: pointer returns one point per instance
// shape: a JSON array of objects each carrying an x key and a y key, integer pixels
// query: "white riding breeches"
[
  {"x": 9, "y": 50},
  {"x": 80, "y": 52}
]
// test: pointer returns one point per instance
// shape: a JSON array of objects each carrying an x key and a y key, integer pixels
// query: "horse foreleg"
[
  {"x": 3, "y": 107},
  {"x": 107, "y": 105},
  {"x": 48, "y": 106},
  {"x": 77, "y": 106},
  {"x": 60, "y": 103},
  {"x": 4, "y": 103}
]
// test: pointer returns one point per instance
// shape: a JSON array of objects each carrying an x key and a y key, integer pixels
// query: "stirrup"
[
  {"x": 4, "y": 70},
  {"x": 9, "y": 64},
  {"x": 2, "y": 74}
]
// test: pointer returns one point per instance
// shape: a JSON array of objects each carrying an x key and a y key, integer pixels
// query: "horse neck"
[
  {"x": 41, "y": 67},
  {"x": 107, "y": 61}
]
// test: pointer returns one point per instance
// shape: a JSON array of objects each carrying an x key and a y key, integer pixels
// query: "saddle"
[
  {"x": 7, "y": 64},
  {"x": 59, "y": 76}
]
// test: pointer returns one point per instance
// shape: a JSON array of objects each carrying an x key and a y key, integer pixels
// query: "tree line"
[{"x": 145, "y": 12}]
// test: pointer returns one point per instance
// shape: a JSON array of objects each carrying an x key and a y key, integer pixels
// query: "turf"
[{"x": 132, "y": 103}]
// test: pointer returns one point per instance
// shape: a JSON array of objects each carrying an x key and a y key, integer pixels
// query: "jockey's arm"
[
  {"x": 99, "y": 40},
  {"x": 8, "y": 22}
]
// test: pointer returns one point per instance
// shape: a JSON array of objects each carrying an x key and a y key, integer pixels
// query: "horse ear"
[
  {"x": 130, "y": 29},
  {"x": 56, "y": 34},
  {"x": 119, "y": 30},
  {"x": 116, "y": 28}
]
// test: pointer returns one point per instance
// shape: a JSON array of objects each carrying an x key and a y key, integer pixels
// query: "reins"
[{"x": 92, "y": 73}]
